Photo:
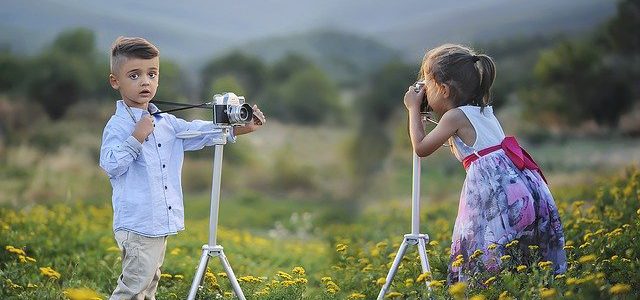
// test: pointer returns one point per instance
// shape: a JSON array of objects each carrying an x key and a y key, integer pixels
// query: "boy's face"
[{"x": 137, "y": 80}]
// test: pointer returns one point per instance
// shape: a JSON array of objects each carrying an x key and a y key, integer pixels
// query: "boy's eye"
[
  {"x": 153, "y": 75},
  {"x": 133, "y": 76}
]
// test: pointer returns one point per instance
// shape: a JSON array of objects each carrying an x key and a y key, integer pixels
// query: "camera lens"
[{"x": 240, "y": 114}]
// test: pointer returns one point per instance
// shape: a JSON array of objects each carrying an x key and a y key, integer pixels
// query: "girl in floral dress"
[{"x": 505, "y": 203}]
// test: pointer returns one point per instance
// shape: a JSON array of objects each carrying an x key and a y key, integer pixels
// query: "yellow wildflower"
[
  {"x": 298, "y": 270},
  {"x": 457, "y": 289},
  {"x": 381, "y": 245},
  {"x": 490, "y": 280},
  {"x": 587, "y": 258},
  {"x": 178, "y": 276},
  {"x": 408, "y": 282},
  {"x": 14, "y": 250},
  {"x": 393, "y": 295},
  {"x": 165, "y": 275},
  {"x": 341, "y": 247},
  {"x": 284, "y": 275},
  {"x": 354, "y": 296},
  {"x": 433, "y": 243},
  {"x": 81, "y": 294},
  {"x": 436, "y": 283},
  {"x": 422, "y": 277},
  {"x": 478, "y": 297},
  {"x": 476, "y": 254},
  {"x": 325, "y": 279},
  {"x": 492, "y": 246},
  {"x": 381, "y": 281},
  {"x": 521, "y": 268},
  {"x": 545, "y": 265},
  {"x": 301, "y": 280},
  {"x": 620, "y": 288},
  {"x": 505, "y": 257},
  {"x": 512, "y": 244},
  {"x": 49, "y": 272},
  {"x": 547, "y": 293},
  {"x": 568, "y": 247},
  {"x": 504, "y": 296}
]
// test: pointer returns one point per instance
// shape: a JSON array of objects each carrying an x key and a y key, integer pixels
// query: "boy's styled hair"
[
  {"x": 468, "y": 75},
  {"x": 131, "y": 47}
]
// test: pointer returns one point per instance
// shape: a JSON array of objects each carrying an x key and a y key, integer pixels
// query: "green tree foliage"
[
  {"x": 12, "y": 72},
  {"x": 300, "y": 92},
  {"x": 64, "y": 73},
  {"x": 589, "y": 88},
  {"x": 375, "y": 107},
  {"x": 622, "y": 31},
  {"x": 585, "y": 80},
  {"x": 249, "y": 71},
  {"x": 172, "y": 84},
  {"x": 308, "y": 97}
]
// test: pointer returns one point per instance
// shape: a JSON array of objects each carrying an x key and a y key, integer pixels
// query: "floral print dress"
[{"x": 500, "y": 204}]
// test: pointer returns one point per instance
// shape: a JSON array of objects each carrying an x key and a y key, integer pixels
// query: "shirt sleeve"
[
  {"x": 213, "y": 133},
  {"x": 118, "y": 150}
]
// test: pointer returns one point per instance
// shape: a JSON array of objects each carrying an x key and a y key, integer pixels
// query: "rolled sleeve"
[{"x": 133, "y": 146}]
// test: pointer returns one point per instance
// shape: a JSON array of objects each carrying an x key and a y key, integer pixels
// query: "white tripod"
[
  {"x": 212, "y": 249},
  {"x": 414, "y": 238}
]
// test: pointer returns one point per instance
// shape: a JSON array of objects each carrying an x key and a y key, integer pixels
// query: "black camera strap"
[{"x": 182, "y": 106}]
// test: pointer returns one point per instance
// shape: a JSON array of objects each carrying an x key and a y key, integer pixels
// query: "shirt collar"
[{"x": 121, "y": 110}]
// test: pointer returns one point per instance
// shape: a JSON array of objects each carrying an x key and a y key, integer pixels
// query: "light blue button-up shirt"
[{"x": 145, "y": 177}]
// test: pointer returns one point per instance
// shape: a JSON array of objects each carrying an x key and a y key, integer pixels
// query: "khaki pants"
[{"x": 141, "y": 260}]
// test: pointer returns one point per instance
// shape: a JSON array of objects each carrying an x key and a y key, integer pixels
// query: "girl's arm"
[{"x": 425, "y": 144}]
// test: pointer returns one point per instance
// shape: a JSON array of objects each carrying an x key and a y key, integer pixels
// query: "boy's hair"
[
  {"x": 468, "y": 75},
  {"x": 131, "y": 47}
]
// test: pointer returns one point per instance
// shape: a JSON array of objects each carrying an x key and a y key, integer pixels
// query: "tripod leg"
[
  {"x": 422, "y": 250},
  {"x": 197, "y": 280},
  {"x": 232, "y": 277},
  {"x": 394, "y": 269}
]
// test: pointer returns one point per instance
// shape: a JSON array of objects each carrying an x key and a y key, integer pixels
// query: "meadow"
[{"x": 294, "y": 229}]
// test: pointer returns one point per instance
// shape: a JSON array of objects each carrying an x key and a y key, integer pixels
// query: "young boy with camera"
[{"x": 143, "y": 158}]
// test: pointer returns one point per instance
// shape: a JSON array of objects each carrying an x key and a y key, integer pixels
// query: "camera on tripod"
[
  {"x": 231, "y": 109},
  {"x": 424, "y": 105}
]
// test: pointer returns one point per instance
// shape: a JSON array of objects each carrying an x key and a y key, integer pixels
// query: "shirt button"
[
  {"x": 169, "y": 206},
  {"x": 165, "y": 187},
  {"x": 164, "y": 166},
  {"x": 159, "y": 145}
]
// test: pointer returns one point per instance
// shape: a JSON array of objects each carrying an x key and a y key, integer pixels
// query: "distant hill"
[
  {"x": 191, "y": 31},
  {"x": 344, "y": 56}
]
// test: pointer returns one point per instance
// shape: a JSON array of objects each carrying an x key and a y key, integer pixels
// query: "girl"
[{"x": 504, "y": 196}]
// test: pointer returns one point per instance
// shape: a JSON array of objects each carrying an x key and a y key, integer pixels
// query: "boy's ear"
[{"x": 114, "y": 82}]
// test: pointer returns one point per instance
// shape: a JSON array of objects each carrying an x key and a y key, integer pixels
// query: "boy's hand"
[
  {"x": 144, "y": 128},
  {"x": 258, "y": 120}
]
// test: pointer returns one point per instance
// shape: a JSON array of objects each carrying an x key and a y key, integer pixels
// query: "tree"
[
  {"x": 249, "y": 71},
  {"x": 65, "y": 72},
  {"x": 376, "y": 106},
  {"x": 12, "y": 72},
  {"x": 308, "y": 97}
]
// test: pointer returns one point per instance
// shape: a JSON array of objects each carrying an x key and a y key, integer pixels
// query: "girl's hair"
[{"x": 468, "y": 75}]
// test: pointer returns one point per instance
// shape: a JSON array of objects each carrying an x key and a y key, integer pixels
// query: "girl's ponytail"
[{"x": 487, "y": 70}]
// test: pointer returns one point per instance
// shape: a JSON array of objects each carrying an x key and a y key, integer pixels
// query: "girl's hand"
[{"x": 412, "y": 100}]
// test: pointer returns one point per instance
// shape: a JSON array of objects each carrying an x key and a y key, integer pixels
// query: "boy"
[{"x": 143, "y": 159}]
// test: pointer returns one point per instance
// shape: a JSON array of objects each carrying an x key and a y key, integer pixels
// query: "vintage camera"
[
  {"x": 424, "y": 105},
  {"x": 230, "y": 109}
]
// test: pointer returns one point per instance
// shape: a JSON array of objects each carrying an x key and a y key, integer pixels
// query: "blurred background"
[{"x": 330, "y": 76}]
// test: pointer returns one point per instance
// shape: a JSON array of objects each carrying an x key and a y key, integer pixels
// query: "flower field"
[{"x": 67, "y": 251}]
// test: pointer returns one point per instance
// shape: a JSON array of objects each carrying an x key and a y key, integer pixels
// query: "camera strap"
[{"x": 182, "y": 106}]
